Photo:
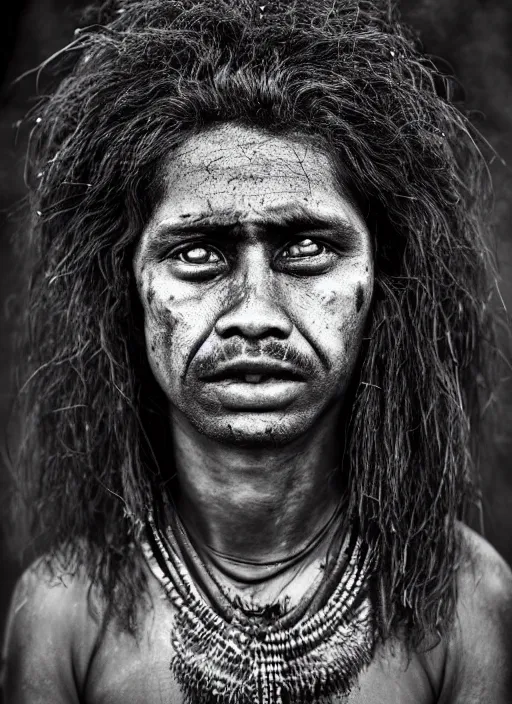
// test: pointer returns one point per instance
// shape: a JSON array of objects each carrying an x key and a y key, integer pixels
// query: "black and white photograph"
[{"x": 256, "y": 352}]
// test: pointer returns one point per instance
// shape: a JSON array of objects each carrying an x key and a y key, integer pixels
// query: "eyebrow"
[{"x": 284, "y": 220}]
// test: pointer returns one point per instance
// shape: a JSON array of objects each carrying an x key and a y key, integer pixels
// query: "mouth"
[
  {"x": 258, "y": 378},
  {"x": 254, "y": 385},
  {"x": 251, "y": 372}
]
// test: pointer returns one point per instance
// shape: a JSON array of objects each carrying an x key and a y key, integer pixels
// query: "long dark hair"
[{"x": 94, "y": 451}]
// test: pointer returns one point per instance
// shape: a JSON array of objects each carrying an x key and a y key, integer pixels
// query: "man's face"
[{"x": 255, "y": 274}]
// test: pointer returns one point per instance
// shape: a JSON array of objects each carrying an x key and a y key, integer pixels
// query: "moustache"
[{"x": 268, "y": 349}]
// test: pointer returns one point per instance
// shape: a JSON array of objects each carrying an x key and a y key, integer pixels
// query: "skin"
[
  {"x": 56, "y": 651},
  {"x": 254, "y": 255},
  {"x": 233, "y": 478}
]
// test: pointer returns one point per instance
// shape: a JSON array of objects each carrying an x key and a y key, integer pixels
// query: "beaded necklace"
[{"x": 226, "y": 653}]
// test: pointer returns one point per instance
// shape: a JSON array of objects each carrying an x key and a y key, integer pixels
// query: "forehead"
[{"x": 244, "y": 172}]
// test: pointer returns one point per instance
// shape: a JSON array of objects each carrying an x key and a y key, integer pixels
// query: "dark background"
[{"x": 474, "y": 40}]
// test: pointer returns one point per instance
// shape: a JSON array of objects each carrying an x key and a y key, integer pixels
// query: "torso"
[
  {"x": 58, "y": 653},
  {"x": 125, "y": 670}
]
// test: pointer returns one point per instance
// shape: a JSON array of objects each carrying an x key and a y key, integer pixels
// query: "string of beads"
[{"x": 226, "y": 656}]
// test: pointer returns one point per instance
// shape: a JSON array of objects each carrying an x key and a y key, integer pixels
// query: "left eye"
[
  {"x": 199, "y": 255},
  {"x": 304, "y": 248}
]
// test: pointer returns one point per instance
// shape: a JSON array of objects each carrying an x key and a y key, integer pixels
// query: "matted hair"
[{"x": 95, "y": 449}]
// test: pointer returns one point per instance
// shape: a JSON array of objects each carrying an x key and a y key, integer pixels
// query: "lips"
[
  {"x": 250, "y": 371},
  {"x": 247, "y": 385}
]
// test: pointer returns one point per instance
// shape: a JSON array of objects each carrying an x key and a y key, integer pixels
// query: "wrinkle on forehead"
[
  {"x": 231, "y": 153},
  {"x": 248, "y": 171}
]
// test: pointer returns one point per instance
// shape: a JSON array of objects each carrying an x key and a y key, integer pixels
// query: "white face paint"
[{"x": 255, "y": 273}]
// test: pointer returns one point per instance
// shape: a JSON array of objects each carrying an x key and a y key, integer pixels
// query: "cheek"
[
  {"x": 176, "y": 319},
  {"x": 162, "y": 325},
  {"x": 359, "y": 297},
  {"x": 160, "y": 321},
  {"x": 162, "y": 346},
  {"x": 337, "y": 315},
  {"x": 347, "y": 305}
]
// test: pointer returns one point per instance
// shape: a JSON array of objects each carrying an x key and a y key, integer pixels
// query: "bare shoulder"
[
  {"x": 45, "y": 581},
  {"x": 485, "y": 579},
  {"x": 479, "y": 664},
  {"x": 50, "y": 597},
  {"x": 51, "y": 629}
]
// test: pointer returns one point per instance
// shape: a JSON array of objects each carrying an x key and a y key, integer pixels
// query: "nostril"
[
  {"x": 251, "y": 323},
  {"x": 259, "y": 311}
]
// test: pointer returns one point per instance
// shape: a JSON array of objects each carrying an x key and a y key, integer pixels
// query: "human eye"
[
  {"x": 197, "y": 261},
  {"x": 198, "y": 255},
  {"x": 306, "y": 256}
]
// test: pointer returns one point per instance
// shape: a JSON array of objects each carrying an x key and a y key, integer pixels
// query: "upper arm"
[
  {"x": 479, "y": 663},
  {"x": 39, "y": 662}
]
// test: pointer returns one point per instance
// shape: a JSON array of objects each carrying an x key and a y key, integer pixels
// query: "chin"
[{"x": 258, "y": 430}]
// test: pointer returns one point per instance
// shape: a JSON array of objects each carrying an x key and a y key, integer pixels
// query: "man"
[{"x": 257, "y": 314}]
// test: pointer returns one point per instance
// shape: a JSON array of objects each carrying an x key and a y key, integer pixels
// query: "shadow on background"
[{"x": 473, "y": 37}]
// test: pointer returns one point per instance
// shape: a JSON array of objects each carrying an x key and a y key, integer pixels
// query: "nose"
[{"x": 257, "y": 311}]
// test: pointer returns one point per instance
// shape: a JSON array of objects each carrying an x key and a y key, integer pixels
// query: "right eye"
[
  {"x": 196, "y": 261},
  {"x": 199, "y": 255}
]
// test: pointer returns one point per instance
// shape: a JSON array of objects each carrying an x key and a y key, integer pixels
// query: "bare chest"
[
  {"x": 152, "y": 683},
  {"x": 126, "y": 671}
]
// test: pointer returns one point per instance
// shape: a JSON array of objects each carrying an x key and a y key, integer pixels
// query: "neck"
[{"x": 254, "y": 503}]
